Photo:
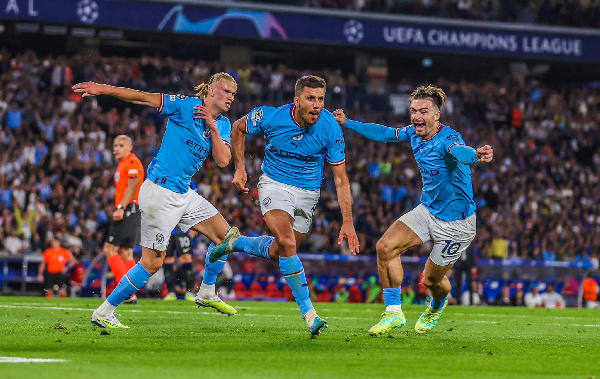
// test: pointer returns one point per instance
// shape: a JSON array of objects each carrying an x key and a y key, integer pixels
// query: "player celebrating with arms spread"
[
  {"x": 299, "y": 137},
  {"x": 446, "y": 214},
  {"x": 196, "y": 127}
]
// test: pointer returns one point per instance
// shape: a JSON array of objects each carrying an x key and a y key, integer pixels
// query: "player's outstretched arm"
[
  {"x": 127, "y": 94},
  {"x": 342, "y": 185},
  {"x": 468, "y": 155},
  {"x": 238, "y": 139},
  {"x": 375, "y": 132}
]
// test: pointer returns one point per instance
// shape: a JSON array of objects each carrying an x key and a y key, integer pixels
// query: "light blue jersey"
[
  {"x": 295, "y": 155},
  {"x": 444, "y": 162},
  {"x": 185, "y": 145}
]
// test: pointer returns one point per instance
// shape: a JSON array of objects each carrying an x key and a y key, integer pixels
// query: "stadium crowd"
[
  {"x": 539, "y": 200},
  {"x": 578, "y": 13}
]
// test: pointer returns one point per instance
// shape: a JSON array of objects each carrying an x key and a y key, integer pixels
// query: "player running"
[
  {"x": 299, "y": 137},
  {"x": 446, "y": 214},
  {"x": 166, "y": 199}
]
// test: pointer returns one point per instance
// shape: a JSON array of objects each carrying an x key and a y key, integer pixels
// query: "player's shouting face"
[
  {"x": 309, "y": 105},
  {"x": 425, "y": 117}
]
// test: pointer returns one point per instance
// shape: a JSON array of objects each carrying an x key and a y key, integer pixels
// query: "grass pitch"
[{"x": 270, "y": 340}]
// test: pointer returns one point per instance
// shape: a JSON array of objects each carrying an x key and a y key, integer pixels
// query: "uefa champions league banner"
[{"x": 308, "y": 27}]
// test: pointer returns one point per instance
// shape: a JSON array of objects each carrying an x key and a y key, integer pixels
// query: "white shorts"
[
  {"x": 162, "y": 210},
  {"x": 298, "y": 202},
  {"x": 450, "y": 238}
]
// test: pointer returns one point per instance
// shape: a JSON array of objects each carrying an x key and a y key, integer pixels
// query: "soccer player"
[
  {"x": 123, "y": 232},
  {"x": 446, "y": 214},
  {"x": 299, "y": 138},
  {"x": 180, "y": 245},
  {"x": 166, "y": 199}
]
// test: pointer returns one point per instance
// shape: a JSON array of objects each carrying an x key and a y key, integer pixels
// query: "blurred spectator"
[
  {"x": 518, "y": 299},
  {"x": 503, "y": 297},
  {"x": 533, "y": 299},
  {"x": 590, "y": 292},
  {"x": 408, "y": 295},
  {"x": 552, "y": 299}
]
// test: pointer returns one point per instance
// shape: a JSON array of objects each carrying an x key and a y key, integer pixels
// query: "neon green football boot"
[
  {"x": 110, "y": 322},
  {"x": 215, "y": 302},
  {"x": 428, "y": 319},
  {"x": 389, "y": 321}
]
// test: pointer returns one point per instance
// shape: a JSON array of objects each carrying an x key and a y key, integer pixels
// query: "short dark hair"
[
  {"x": 430, "y": 92},
  {"x": 310, "y": 81}
]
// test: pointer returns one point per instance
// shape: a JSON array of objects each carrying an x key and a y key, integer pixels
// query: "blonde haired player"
[{"x": 166, "y": 199}]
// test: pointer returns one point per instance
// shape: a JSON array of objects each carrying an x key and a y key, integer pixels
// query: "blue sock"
[
  {"x": 212, "y": 270},
  {"x": 257, "y": 246},
  {"x": 293, "y": 272},
  {"x": 391, "y": 296},
  {"x": 130, "y": 283},
  {"x": 437, "y": 304}
]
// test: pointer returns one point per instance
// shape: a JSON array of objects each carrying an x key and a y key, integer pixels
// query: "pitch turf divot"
[{"x": 31, "y": 360}]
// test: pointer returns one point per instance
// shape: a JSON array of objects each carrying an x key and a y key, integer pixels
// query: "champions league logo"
[
  {"x": 353, "y": 30},
  {"x": 88, "y": 11}
]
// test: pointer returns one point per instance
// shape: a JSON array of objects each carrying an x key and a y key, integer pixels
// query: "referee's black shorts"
[{"x": 126, "y": 232}]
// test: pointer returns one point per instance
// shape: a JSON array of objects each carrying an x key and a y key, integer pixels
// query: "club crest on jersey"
[
  {"x": 206, "y": 134},
  {"x": 267, "y": 201},
  {"x": 160, "y": 238},
  {"x": 257, "y": 115},
  {"x": 117, "y": 176},
  {"x": 298, "y": 137}
]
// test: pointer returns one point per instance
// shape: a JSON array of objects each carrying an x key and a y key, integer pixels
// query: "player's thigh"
[
  {"x": 204, "y": 218},
  {"x": 280, "y": 224},
  {"x": 161, "y": 210},
  {"x": 451, "y": 239},
  {"x": 110, "y": 250},
  {"x": 273, "y": 195},
  {"x": 408, "y": 231},
  {"x": 305, "y": 205}
]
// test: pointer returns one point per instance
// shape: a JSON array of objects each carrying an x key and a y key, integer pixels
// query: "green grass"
[{"x": 270, "y": 340}]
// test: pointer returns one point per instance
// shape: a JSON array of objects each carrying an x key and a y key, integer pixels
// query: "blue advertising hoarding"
[{"x": 310, "y": 27}]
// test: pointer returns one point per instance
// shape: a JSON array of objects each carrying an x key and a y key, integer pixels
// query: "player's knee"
[
  {"x": 385, "y": 249},
  {"x": 286, "y": 245}
]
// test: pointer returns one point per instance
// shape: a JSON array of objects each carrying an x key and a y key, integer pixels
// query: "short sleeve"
[
  {"x": 257, "y": 119},
  {"x": 452, "y": 139},
  {"x": 336, "y": 148},
  {"x": 225, "y": 131},
  {"x": 171, "y": 104}
]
